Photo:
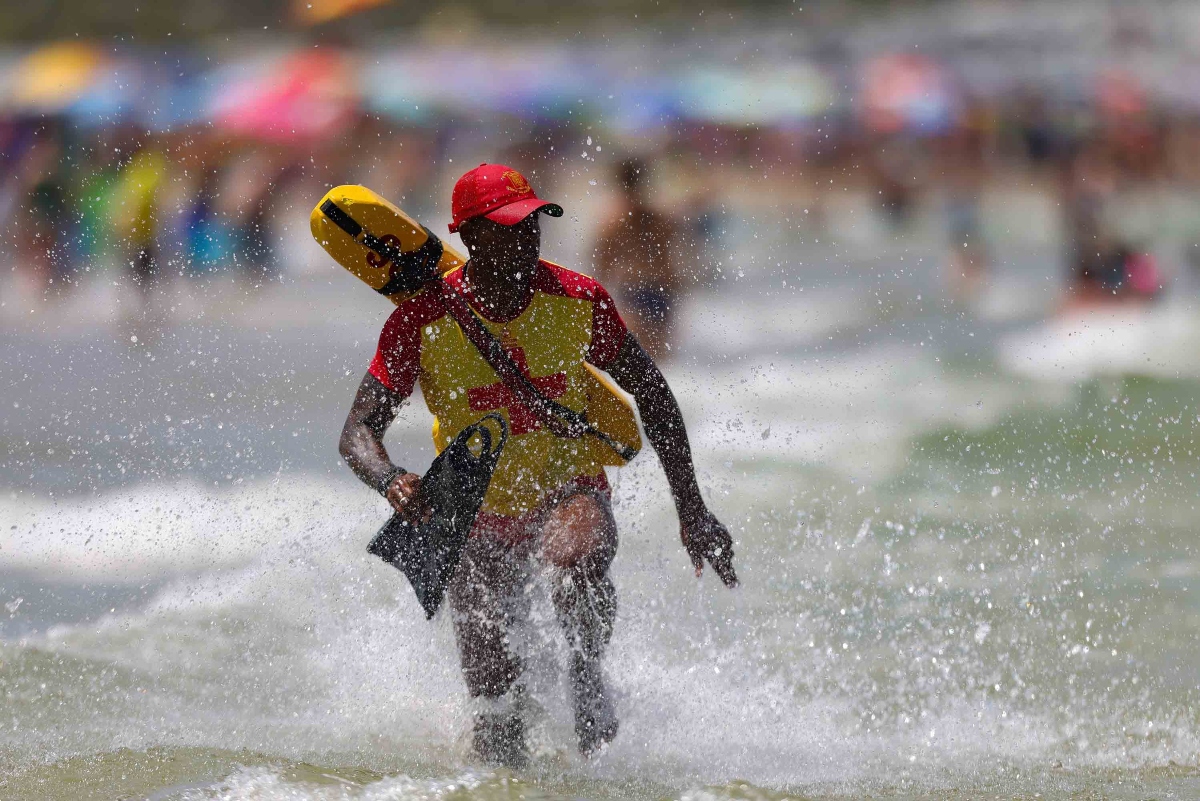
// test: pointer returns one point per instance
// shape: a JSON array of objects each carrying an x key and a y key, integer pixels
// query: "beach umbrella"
[
  {"x": 758, "y": 96},
  {"x": 56, "y": 75},
  {"x": 908, "y": 92},
  {"x": 412, "y": 83},
  {"x": 180, "y": 94},
  {"x": 306, "y": 94},
  {"x": 120, "y": 89},
  {"x": 644, "y": 104},
  {"x": 390, "y": 84}
]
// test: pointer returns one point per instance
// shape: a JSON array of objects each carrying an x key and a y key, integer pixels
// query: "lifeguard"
[{"x": 549, "y": 501}]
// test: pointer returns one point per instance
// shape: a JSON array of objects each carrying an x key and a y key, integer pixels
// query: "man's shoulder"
[
  {"x": 558, "y": 280},
  {"x": 422, "y": 308}
]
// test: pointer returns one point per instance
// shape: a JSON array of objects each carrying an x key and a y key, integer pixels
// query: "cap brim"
[{"x": 513, "y": 213}]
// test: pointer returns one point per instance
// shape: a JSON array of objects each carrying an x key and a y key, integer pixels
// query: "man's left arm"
[{"x": 703, "y": 535}]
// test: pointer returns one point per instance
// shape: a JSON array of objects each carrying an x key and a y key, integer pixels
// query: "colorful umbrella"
[
  {"x": 537, "y": 81},
  {"x": 787, "y": 93},
  {"x": 908, "y": 92},
  {"x": 56, "y": 75},
  {"x": 305, "y": 95}
]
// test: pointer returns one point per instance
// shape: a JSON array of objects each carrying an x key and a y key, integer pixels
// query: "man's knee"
[{"x": 575, "y": 530}]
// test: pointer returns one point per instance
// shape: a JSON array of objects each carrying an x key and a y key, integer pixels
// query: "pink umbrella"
[
  {"x": 307, "y": 95},
  {"x": 908, "y": 92}
]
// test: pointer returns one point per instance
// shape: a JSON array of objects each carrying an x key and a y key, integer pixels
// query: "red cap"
[{"x": 499, "y": 193}]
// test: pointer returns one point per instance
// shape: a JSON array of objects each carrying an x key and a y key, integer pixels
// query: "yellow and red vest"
[{"x": 570, "y": 321}]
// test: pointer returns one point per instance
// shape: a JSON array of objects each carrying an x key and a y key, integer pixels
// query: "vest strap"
[{"x": 561, "y": 420}]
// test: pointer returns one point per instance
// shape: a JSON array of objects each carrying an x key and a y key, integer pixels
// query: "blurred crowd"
[
  {"x": 911, "y": 149},
  {"x": 162, "y": 206},
  {"x": 195, "y": 201},
  {"x": 154, "y": 205}
]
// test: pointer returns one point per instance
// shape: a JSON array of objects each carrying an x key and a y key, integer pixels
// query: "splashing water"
[{"x": 924, "y": 632}]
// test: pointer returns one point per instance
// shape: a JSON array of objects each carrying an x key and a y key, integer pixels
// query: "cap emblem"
[{"x": 517, "y": 182}]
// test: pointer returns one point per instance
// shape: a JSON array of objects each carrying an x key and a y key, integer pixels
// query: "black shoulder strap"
[
  {"x": 562, "y": 420},
  {"x": 410, "y": 270}
]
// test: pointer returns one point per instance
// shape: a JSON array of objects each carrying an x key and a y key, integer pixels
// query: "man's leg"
[
  {"x": 578, "y": 542},
  {"x": 486, "y": 601}
]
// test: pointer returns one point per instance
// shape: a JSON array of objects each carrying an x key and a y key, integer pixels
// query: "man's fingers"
[
  {"x": 721, "y": 557},
  {"x": 404, "y": 492},
  {"x": 711, "y": 543},
  {"x": 724, "y": 568}
]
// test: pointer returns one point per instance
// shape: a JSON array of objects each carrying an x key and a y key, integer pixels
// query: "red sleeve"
[
  {"x": 608, "y": 329},
  {"x": 397, "y": 361}
]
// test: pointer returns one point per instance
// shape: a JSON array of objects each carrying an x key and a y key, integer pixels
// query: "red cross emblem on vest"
[{"x": 521, "y": 419}]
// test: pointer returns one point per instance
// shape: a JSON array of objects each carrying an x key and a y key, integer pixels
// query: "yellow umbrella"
[{"x": 56, "y": 75}]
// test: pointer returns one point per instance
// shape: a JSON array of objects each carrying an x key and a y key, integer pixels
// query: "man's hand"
[
  {"x": 402, "y": 490},
  {"x": 706, "y": 538}
]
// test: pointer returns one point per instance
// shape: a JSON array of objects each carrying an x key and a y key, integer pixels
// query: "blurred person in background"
[
  {"x": 208, "y": 234},
  {"x": 1105, "y": 267},
  {"x": 45, "y": 214},
  {"x": 703, "y": 219},
  {"x": 962, "y": 172},
  {"x": 177, "y": 195},
  {"x": 398, "y": 159},
  {"x": 1087, "y": 180},
  {"x": 94, "y": 188},
  {"x": 247, "y": 202},
  {"x": 1037, "y": 130},
  {"x": 638, "y": 252},
  {"x": 895, "y": 168},
  {"x": 133, "y": 213}
]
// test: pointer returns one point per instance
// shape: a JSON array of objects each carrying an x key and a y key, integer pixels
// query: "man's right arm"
[{"x": 361, "y": 444}]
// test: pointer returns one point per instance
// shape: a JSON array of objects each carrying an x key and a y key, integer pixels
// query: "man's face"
[{"x": 510, "y": 245}]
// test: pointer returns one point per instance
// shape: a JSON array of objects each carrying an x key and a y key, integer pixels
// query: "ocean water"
[{"x": 968, "y": 552}]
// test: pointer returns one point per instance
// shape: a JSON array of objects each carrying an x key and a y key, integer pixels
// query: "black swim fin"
[{"x": 451, "y": 494}]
